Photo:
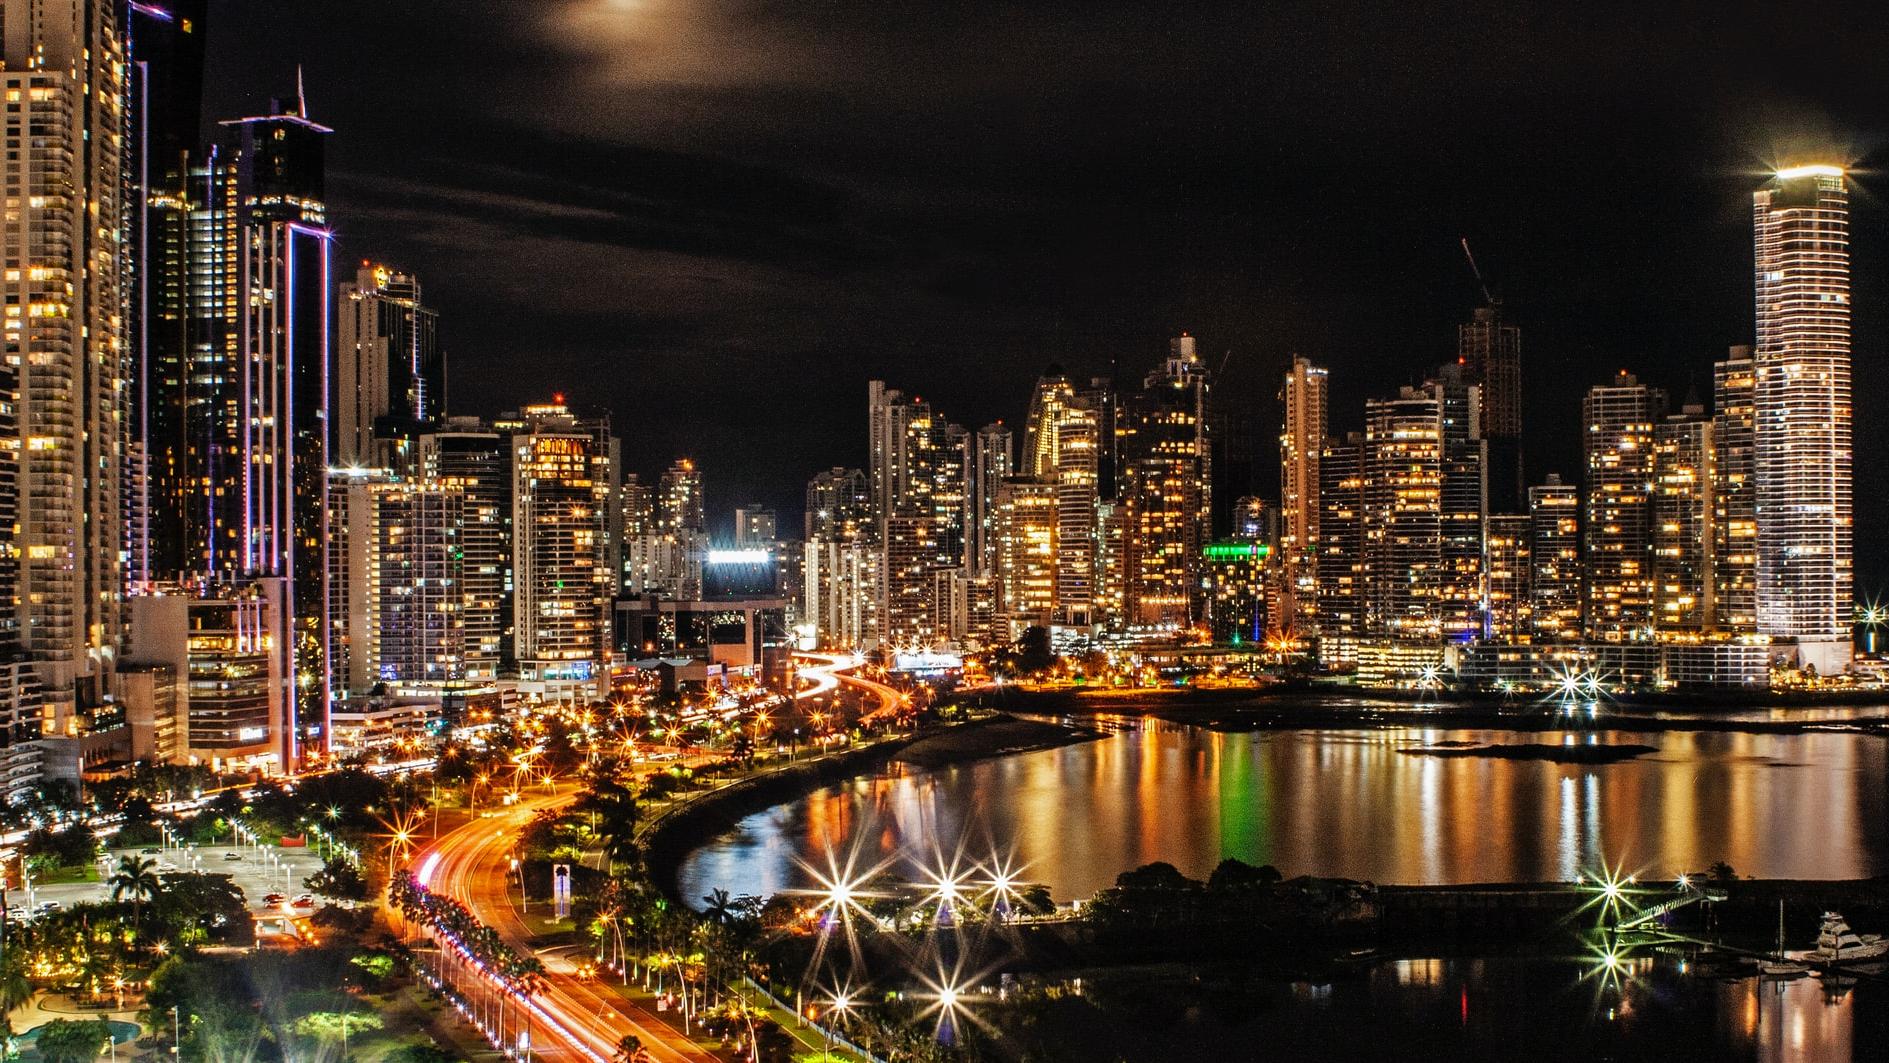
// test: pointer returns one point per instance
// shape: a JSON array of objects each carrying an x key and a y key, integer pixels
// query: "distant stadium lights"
[{"x": 739, "y": 557}]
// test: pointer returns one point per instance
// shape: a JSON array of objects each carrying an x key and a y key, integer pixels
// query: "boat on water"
[
  {"x": 1778, "y": 966},
  {"x": 1837, "y": 943}
]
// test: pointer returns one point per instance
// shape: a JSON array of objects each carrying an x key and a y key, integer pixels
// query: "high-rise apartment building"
[
  {"x": 1734, "y": 494},
  {"x": 1685, "y": 476},
  {"x": 1554, "y": 582},
  {"x": 562, "y": 575},
  {"x": 1460, "y": 593},
  {"x": 465, "y": 456},
  {"x": 1802, "y": 457},
  {"x": 1165, "y": 455},
  {"x": 1340, "y": 564},
  {"x": 838, "y": 506},
  {"x": 1507, "y": 563},
  {"x": 1026, "y": 528},
  {"x": 679, "y": 498},
  {"x": 390, "y": 374},
  {"x": 1305, "y": 397},
  {"x": 68, "y": 358},
  {"x": 1617, "y": 421},
  {"x": 1403, "y": 514},
  {"x": 991, "y": 465}
]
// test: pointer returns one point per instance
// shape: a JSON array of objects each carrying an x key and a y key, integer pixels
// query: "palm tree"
[
  {"x": 719, "y": 907},
  {"x": 137, "y": 878},
  {"x": 630, "y": 1049}
]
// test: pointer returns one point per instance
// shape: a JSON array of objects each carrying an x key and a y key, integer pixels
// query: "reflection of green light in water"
[{"x": 1245, "y": 829}]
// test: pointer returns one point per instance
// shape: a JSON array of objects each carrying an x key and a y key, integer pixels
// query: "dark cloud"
[{"x": 720, "y": 217}]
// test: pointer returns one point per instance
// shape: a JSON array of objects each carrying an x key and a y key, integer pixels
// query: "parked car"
[
  {"x": 47, "y": 906},
  {"x": 304, "y": 901},
  {"x": 232, "y": 856},
  {"x": 16, "y": 911},
  {"x": 148, "y": 851},
  {"x": 273, "y": 898}
]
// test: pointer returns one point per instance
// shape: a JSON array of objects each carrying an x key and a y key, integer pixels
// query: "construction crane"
[{"x": 1486, "y": 297}]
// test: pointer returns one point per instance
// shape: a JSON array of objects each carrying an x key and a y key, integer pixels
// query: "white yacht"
[{"x": 1837, "y": 943}]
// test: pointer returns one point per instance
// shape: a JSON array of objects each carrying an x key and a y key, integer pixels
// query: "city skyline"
[{"x": 1361, "y": 272}]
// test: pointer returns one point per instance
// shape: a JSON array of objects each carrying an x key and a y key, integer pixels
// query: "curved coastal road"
[{"x": 575, "y": 1020}]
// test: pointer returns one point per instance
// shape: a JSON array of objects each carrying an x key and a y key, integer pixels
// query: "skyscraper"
[
  {"x": 166, "y": 49},
  {"x": 67, "y": 357},
  {"x": 1490, "y": 353},
  {"x": 991, "y": 465},
  {"x": 1301, "y": 444},
  {"x": 679, "y": 498},
  {"x": 1734, "y": 494},
  {"x": 838, "y": 505},
  {"x": 1617, "y": 422},
  {"x": 1166, "y": 464},
  {"x": 1554, "y": 549},
  {"x": 1403, "y": 514},
  {"x": 562, "y": 577},
  {"x": 1685, "y": 474},
  {"x": 284, "y": 249},
  {"x": 1340, "y": 558},
  {"x": 464, "y": 455},
  {"x": 390, "y": 372},
  {"x": 1802, "y": 441}
]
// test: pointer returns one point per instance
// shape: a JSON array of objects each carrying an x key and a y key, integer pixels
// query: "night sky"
[{"x": 720, "y": 218}]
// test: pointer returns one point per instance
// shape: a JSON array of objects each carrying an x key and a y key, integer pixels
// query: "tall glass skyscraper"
[{"x": 1802, "y": 447}]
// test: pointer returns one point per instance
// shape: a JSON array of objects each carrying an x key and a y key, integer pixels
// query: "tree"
[
  {"x": 718, "y": 906},
  {"x": 1721, "y": 872},
  {"x": 1159, "y": 875},
  {"x": 630, "y": 1049},
  {"x": 67, "y": 1041},
  {"x": 136, "y": 877},
  {"x": 337, "y": 1025},
  {"x": 197, "y": 906},
  {"x": 339, "y": 880},
  {"x": 1238, "y": 874},
  {"x": 420, "y": 1054}
]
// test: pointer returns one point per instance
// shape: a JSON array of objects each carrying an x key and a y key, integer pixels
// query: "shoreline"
[
  {"x": 1312, "y": 709},
  {"x": 678, "y": 831}
]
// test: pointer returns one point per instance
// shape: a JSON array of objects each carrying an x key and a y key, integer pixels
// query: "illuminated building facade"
[
  {"x": 67, "y": 357},
  {"x": 466, "y": 457},
  {"x": 1554, "y": 582},
  {"x": 992, "y": 462},
  {"x": 1734, "y": 494},
  {"x": 1403, "y": 514},
  {"x": 1166, "y": 457},
  {"x": 1617, "y": 422},
  {"x": 754, "y": 527},
  {"x": 1301, "y": 445},
  {"x": 390, "y": 371},
  {"x": 838, "y": 505},
  {"x": 1684, "y": 514},
  {"x": 1463, "y": 500},
  {"x": 1507, "y": 563},
  {"x": 165, "y": 100},
  {"x": 1026, "y": 553},
  {"x": 284, "y": 357},
  {"x": 561, "y": 569},
  {"x": 1802, "y": 456},
  {"x": 1340, "y": 559},
  {"x": 1236, "y": 575}
]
